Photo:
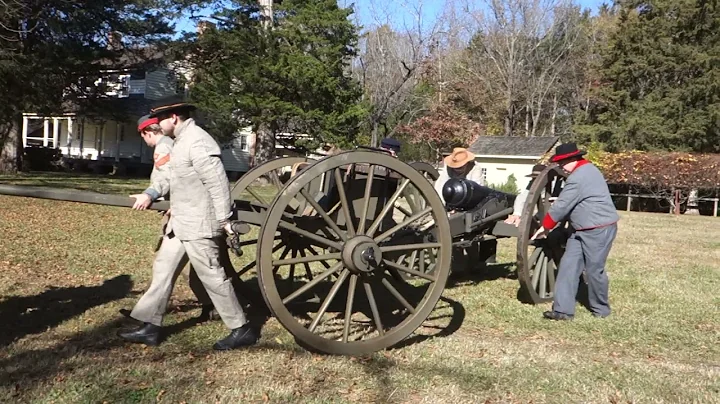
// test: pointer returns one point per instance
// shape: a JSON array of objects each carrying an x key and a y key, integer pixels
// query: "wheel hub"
[{"x": 361, "y": 255}]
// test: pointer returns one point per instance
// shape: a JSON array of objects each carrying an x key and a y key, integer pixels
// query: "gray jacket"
[
  {"x": 585, "y": 198},
  {"x": 160, "y": 176},
  {"x": 201, "y": 203}
]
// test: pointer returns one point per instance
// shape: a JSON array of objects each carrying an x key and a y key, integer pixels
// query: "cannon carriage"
[{"x": 353, "y": 251}]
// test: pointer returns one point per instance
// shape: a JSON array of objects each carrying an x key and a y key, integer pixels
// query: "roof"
[{"x": 513, "y": 145}]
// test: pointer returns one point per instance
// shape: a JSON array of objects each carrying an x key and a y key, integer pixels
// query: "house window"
[{"x": 243, "y": 143}]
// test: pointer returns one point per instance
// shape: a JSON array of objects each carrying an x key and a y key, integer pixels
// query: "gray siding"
[
  {"x": 159, "y": 84},
  {"x": 234, "y": 158}
]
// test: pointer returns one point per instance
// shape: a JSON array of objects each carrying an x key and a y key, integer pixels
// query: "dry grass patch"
[{"x": 65, "y": 270}]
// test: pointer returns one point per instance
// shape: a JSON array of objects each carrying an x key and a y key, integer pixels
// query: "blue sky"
[{"x": 367, "y": 8}]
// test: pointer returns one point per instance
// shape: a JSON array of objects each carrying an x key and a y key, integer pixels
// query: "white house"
[
  {"x": 87, "y": 136},
  {"x": 500, "y": 156}
]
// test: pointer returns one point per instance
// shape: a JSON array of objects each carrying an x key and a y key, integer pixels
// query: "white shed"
[{"x": 500, "y": 156}]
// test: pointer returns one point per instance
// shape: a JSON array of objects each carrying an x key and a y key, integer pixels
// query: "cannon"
[{"x": 354, "y": 250}]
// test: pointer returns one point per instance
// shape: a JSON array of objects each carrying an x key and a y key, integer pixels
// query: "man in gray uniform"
[
  {"x": 201, "y": 207},
  {"x": 585, "y": 200},
  {"x": 152, "y": 134}
]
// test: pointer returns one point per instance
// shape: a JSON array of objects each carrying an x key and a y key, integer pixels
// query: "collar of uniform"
[
  {"x": 579, "y": 164},
  {"x": 179, "y": 129}
]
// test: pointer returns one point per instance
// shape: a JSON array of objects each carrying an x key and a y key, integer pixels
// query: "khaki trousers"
[{"x": 204, "y": 256}]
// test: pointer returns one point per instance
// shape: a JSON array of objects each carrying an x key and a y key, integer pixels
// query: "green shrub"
[{"x": 509, "y": 187}]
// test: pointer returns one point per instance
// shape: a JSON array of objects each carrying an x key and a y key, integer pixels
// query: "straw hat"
[{"x": 459, "y": 157}]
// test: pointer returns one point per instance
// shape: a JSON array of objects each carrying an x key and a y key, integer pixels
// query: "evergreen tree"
[
  {"x": 661, "y": 81},
  {"x": 52, "y": 51},
  {"x": 290, "y": 78}
]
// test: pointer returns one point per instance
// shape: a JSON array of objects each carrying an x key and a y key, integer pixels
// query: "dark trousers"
[{"x": 588, "y": 250}]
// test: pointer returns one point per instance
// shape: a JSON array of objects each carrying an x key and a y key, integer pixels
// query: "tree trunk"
[
  {"x": 10, "y": 148},
  {"x": 527, "y": 120},
  {"x": 554, "y": 116},
  {"x": 374, "y": 137},
  {"x": 264, "y": 144},
  {"x": 509, "y": 119}
]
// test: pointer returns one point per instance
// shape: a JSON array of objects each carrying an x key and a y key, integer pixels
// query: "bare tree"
[
  {"x": 552, "y": 60},
  {"x": 392, "y": 56},
  {"x": 516, "y": 55}
]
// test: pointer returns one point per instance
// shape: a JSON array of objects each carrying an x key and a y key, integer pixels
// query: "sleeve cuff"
[
  {"x": 154, "y": 195},
  {"x": 548, "y": 222}
]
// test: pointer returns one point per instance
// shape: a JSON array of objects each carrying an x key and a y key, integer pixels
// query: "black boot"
[
  {"x": 239, "y": 337},
  {"x": 125, "y": 312},
  {"x": 148, "y": 334},
  {"x": 554, "y": 315}
]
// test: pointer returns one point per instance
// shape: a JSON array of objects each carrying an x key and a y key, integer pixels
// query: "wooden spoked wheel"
[
  {"x": 355, "y": 302},
  {"x": 254, "y": 192},
  {"x": 538, "y": 260}
]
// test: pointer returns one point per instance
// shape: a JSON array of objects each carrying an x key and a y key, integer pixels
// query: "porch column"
[
  {"x": 56, "y": 132},
  {"x": 24, "y": 131},
  {"x": 69, "y": 136},
  {"x": 46, "y": 131},
  {"x": 102, "y": 140},
  {"x": 118, "y": 128},
  {"x": 82, "y": 136}
]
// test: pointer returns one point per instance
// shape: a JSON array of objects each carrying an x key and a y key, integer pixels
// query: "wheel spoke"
[
  {"x": 328, "y": 299},
  {"x": 551, "y": 276},
  {"x": 306, "y": 259},
  {"x": 366, "y": 199},
  {"x": 324, "y": 215},
  {"x": 536, "y": 271},
  {"x": 397, "y": 295},
  {"x": 312, "y": 283},
  {"x": 413, "y": 257},
  {"x": 314, "y": 237},
  {"x": 276, "y": 179},
  {"x": 374, "y": 309},
  {"x": 308, "y": 271},
  {"x": 543, "y": 277},
  {"x": 389, "y": 205},
  {"x": 407, "y": 222},
  {"x": 251, "y": 264},
  {"x": 409, "y": 271},
  {"x": 291, "y": 273},
  {"x": 263, "y": 202},
  {"x": 340, "y": 185},
  {"x": 313, "y": 252},
  {"x": 349, "y": 306}
]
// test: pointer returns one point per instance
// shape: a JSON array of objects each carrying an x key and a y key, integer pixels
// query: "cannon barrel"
[
  {"x": 74, "y": 195},
  {"x": 462, "y": 194}
]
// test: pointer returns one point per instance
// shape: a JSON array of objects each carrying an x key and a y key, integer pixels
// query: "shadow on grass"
[
  {"x": 490, "y": 272},
  {"x": 23, "y": 315},
  {"x": 99, "y": 349}
]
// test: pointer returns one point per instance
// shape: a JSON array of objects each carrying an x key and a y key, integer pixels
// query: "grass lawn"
[{"x": 66, "y": 269}]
